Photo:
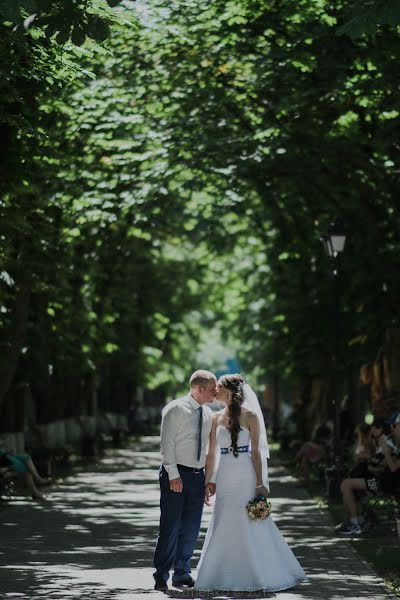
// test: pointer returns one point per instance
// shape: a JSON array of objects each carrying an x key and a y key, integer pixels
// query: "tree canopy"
[{"x": 176, "y": 173}]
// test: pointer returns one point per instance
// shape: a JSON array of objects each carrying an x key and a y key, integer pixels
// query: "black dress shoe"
[
  {"x": 188, "y": 582},
  {"x": 160, "y": 584}
]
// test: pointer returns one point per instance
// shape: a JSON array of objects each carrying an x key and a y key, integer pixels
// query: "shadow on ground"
[{"x": 95, "y": 538}]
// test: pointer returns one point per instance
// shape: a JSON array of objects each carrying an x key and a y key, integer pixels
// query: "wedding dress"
[{"x": 240, "y": 554}]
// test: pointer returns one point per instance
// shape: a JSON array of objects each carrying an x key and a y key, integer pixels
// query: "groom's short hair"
[{"x": 201, "y": 378}]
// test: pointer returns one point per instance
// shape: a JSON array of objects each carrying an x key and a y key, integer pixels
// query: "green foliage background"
[{"x": 170, "y": 168}]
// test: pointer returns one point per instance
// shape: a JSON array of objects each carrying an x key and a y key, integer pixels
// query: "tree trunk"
[
  {"x": 9, "y": 355},
  {"x": 392, "y": 353}
]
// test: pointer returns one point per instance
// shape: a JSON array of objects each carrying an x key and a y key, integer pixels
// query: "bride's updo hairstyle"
[{"x": 234, "y": 383}]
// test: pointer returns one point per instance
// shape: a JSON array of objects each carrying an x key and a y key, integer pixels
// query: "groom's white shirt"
[{"x": 179, "y": 435}]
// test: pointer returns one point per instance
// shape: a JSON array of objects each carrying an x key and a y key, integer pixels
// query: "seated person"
[
  {"x": 313, "y": 452},
  {"x": 383, "y": 473},
  {"x": 22, "y": 463},
  {"x": 364, "y": 450}
]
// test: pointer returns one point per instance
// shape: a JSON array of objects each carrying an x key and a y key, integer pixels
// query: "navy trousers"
[{"x": 179, "y": 524}]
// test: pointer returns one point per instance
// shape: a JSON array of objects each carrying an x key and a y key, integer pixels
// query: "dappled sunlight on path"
[{"x": 95, "y": 538}]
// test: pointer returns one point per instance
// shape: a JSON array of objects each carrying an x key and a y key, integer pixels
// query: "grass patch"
[{"x": 384, "y": 557}]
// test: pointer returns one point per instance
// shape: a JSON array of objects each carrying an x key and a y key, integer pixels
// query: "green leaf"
[
  {"x": 109, "y": 348},
  {"x": 113, "y": 3}
]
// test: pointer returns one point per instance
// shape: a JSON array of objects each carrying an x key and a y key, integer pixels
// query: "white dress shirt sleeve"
[{"x": 169, "y": 423}]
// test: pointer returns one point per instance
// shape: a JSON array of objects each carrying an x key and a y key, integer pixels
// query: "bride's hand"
[
  {"x": 262, "y": 491},
  {"x": 209, "y": 491}
]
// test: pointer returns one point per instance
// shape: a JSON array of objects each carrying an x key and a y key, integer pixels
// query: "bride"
[{"x": 240, "y": 554}]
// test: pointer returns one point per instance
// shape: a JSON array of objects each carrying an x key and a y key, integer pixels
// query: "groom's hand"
[
  {"x": 176, "y": 485},
  {"x": 209, "y": 491}
]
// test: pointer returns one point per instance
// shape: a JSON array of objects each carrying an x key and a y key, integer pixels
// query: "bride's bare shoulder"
[
  {"x": 248, "y": 412},
  {"x": 249, "y": 416}
]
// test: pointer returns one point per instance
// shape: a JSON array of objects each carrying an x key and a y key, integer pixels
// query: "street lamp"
[{"x": 334, "y": 242}]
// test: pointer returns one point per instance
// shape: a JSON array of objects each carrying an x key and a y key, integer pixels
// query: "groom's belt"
[
  {"x": 230, "y": 449},
  {"x": 191, "y": 469}
]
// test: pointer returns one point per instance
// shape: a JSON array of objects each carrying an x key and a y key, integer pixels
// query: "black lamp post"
[{"x": 334, "y": 242}]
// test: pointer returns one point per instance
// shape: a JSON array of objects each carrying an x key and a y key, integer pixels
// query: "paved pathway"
[{"x": 95, "y": 539}]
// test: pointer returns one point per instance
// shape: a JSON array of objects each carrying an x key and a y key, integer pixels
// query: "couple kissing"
[{"x": 224, "y": 453}]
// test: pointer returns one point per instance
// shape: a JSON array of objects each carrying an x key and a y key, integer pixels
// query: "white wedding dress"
[{"x": 240, "y": 554}]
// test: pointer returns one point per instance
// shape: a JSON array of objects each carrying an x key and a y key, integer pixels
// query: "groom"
[{"x": 185, "y": 429}]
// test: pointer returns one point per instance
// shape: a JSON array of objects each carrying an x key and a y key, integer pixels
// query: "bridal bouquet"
[{"x": 259, "y": 508}]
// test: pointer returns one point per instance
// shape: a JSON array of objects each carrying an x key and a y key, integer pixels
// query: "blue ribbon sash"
[{"x": 230, "y": 449}]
